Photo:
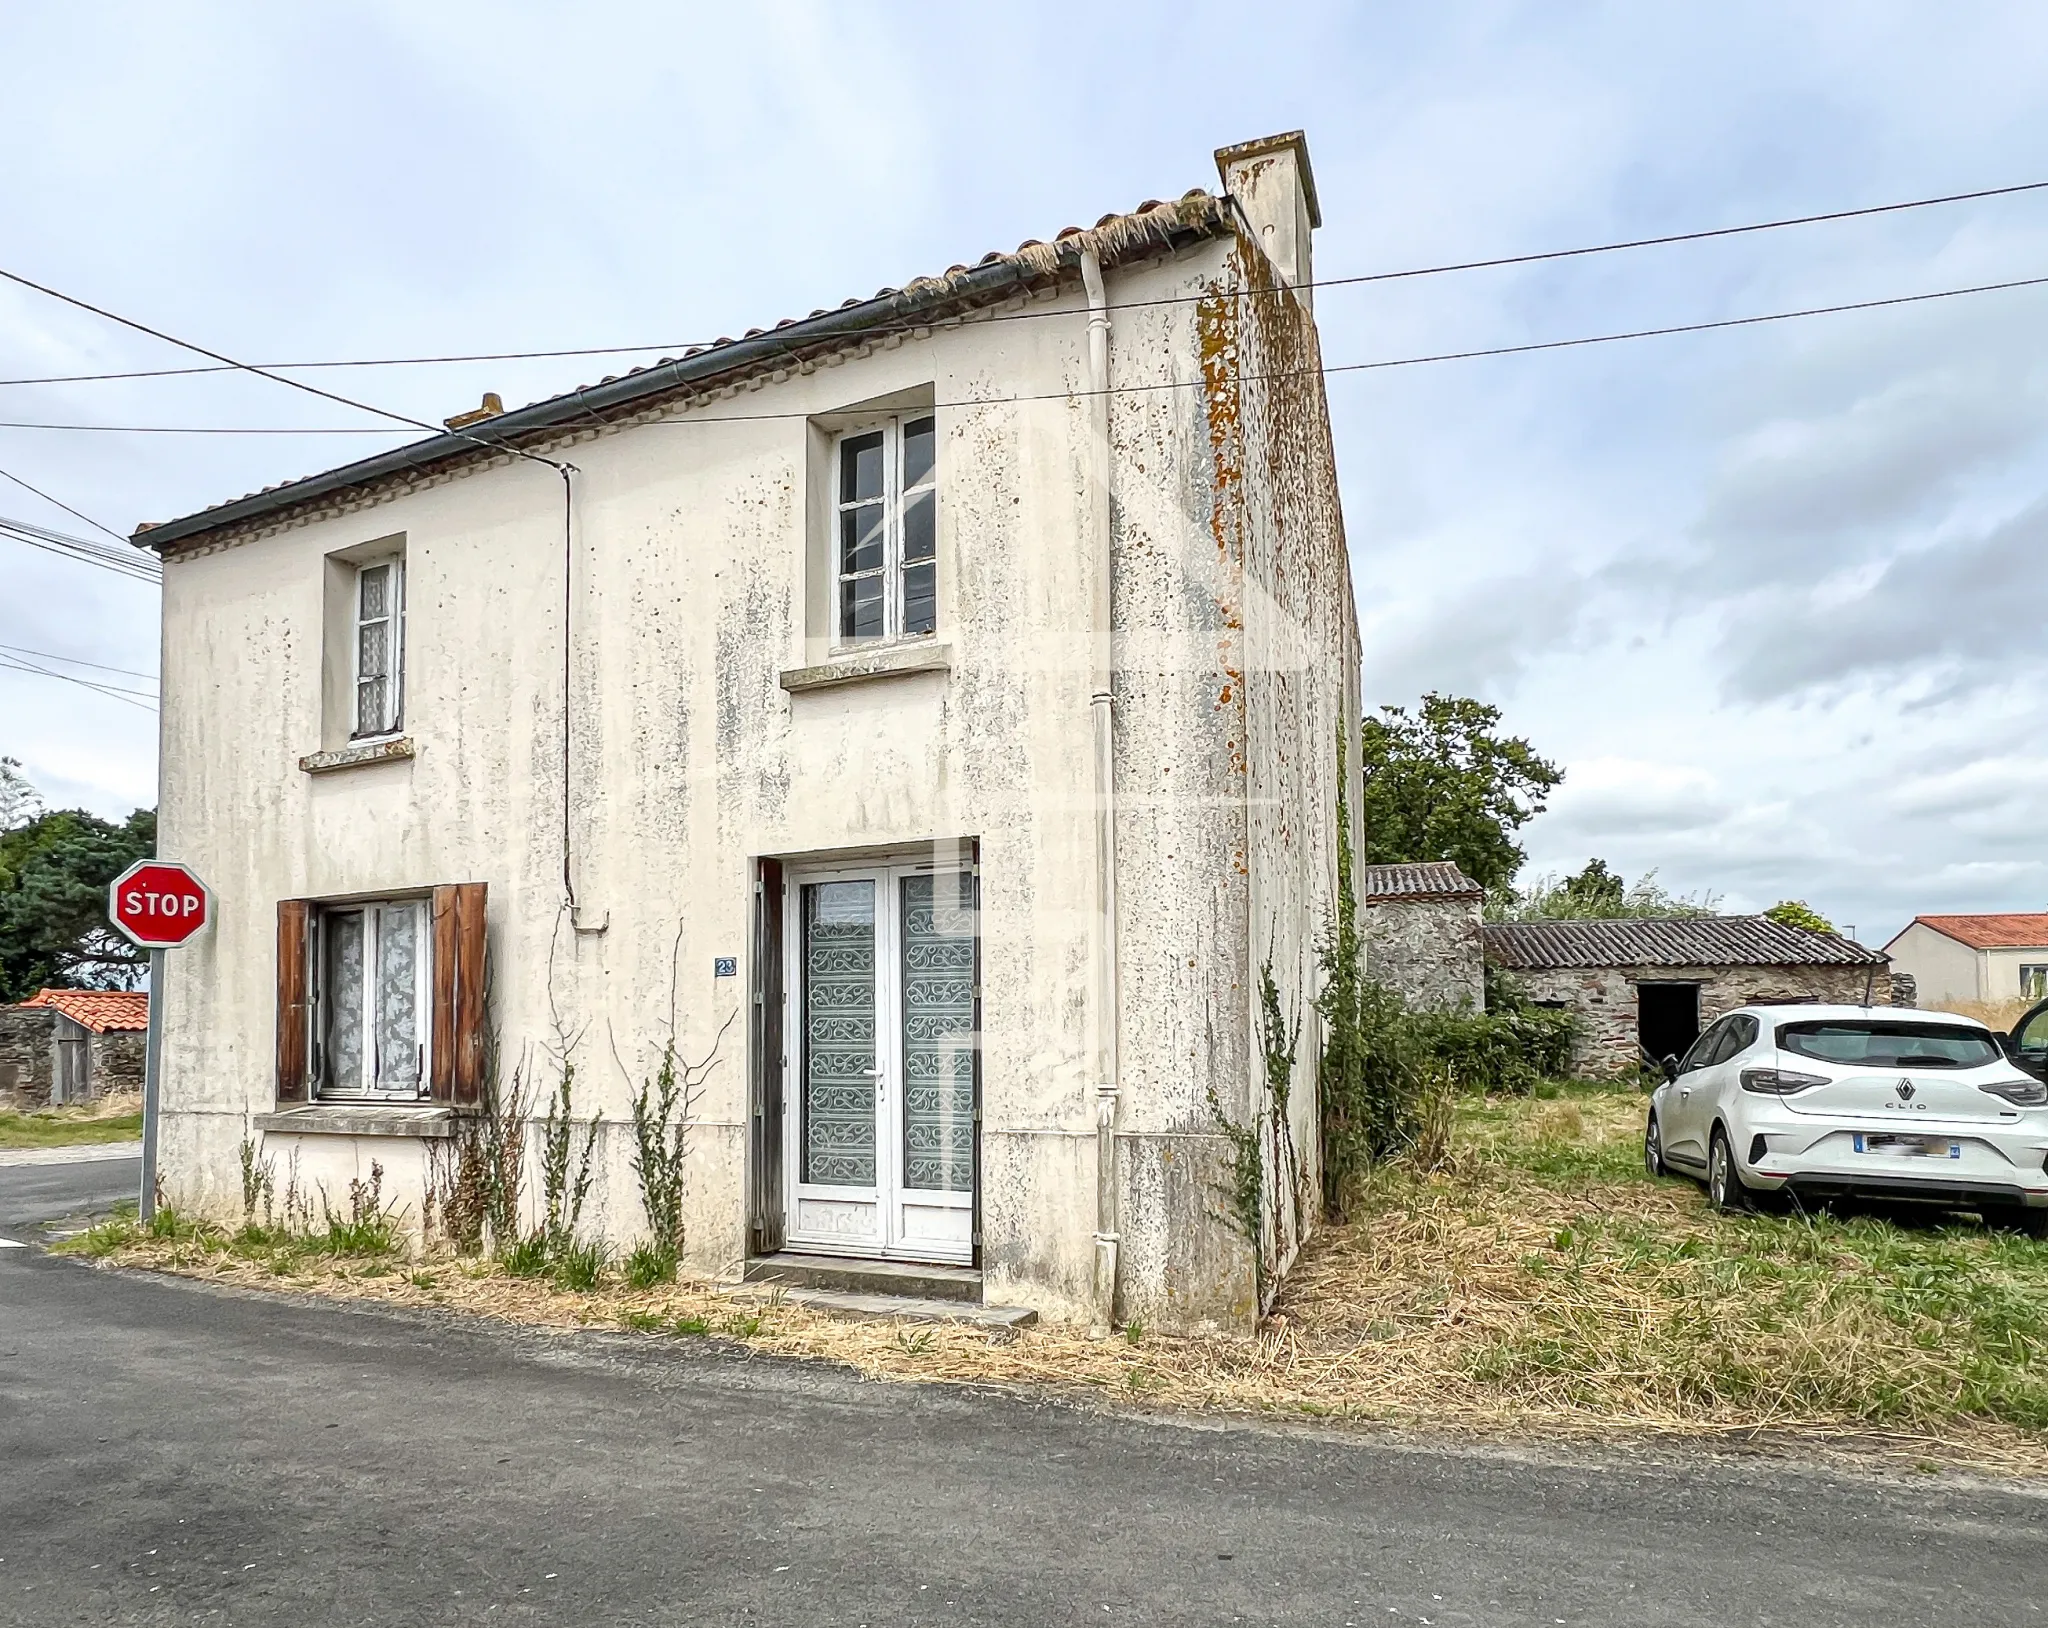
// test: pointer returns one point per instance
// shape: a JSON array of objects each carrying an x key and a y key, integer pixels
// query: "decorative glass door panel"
[
  {"x": 840, "y": 1070},
  {"x": 883, "y": 968}
]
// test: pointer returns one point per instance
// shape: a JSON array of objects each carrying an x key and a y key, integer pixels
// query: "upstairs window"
[
  {"x": 379, "y": 649},
  {"x": 886, "y": 536}
]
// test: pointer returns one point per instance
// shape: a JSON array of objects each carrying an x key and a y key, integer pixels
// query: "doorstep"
[
  {"x": 900, "y": 1308},
  {"x": 856, "y": 1274},
  {"x": 861, "y": 1287}
]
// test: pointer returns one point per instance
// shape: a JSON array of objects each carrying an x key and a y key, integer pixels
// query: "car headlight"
[
  {"x": 1780, "y": 1082},
  {"x": 2021, "y": 1093}
]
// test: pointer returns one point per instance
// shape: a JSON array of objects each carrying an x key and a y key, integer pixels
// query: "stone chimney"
[{"x": 1273, "y": 185}]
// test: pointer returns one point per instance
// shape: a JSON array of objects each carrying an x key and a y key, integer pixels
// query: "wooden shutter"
[
  {"x": 459, "y": 1037},
  {"x": 765, "y": 1045},
  {"x": 294, "y": 999}
]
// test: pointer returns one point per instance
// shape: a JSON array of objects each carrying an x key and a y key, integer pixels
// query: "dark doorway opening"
[{"x": 1667, "y": 1018}]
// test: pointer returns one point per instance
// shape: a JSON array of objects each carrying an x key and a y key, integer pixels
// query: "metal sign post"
[
  {"x": 152, "y": 1054},
  {"x": 157, "y": 904}
]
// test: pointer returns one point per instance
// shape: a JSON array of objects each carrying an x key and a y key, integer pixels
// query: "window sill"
[
  {"x": 925, "y": 656},
  {"x": 359, "y": 1119},
  {"x": 396, "y": 749}
]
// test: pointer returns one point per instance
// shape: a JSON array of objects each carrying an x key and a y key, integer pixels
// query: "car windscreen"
[{"x": 1878, "y": 1044}]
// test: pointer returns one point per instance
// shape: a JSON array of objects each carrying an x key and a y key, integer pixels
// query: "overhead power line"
[
  {"x": 272, "y": 369},
  {"x": 120, "y": 559},
  {"x": 264, "y": 373},
  {"x": 133, "y": 698},
  {"x": 1126, "y": 389},
  {"x": 56, "y": 503},
  {"x": 75, "y": 661}
]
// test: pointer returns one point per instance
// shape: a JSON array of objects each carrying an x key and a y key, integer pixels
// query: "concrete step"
[
  {"x": 847, "y": 1274},
  {"x": 890, "y": 1307}
]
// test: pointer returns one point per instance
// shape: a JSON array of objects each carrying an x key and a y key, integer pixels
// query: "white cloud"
[{"x": 1767, "y": 593}]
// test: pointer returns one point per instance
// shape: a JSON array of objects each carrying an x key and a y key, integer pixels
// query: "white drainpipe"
[{"x": 1107, "y": 1077}]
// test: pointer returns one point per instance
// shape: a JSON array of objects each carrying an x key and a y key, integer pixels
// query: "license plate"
[{"x": 1911, "y": 1147}]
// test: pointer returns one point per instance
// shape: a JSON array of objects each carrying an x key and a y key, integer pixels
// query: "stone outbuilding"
[
  {"x": 65, "y": 1045},
  {"x": 1643, "y": 990},
  {"x": 1422, "y": 933}
]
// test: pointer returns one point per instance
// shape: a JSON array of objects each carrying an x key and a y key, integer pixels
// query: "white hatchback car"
[{"x": 1831, "y": 1101}]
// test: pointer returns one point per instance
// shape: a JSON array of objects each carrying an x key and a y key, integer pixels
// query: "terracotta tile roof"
[
  {"x": 1689, "y": 941},
  {"x": 1151, "y": 228},
  {"x": 1435, "y": 880},
  {"x": 99, "y": 1010},
  {"x": 2018, "y": 931}
]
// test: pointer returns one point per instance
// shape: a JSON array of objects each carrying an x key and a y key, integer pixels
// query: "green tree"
[
  {"x": 1443, "y": 783},
  {"x": 1596, "y": 893},
  {"x": 1798, "y": 913},
  {"x": 55, "y": 869}
]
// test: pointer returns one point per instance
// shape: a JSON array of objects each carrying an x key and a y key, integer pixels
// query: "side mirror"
[{"x": 1670, "y": 1068}]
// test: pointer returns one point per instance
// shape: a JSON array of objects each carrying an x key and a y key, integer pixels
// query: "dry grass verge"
[
  {"x": 116, "y": 1117},
  {"x": 1539, "y": 1286}
]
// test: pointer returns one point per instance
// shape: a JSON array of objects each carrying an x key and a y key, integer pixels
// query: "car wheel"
[
  {"x": 1653, "y": 1147},
  {"x": 1724, "y": 1187}
]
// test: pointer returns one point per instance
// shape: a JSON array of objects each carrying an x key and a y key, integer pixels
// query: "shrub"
[{"x": 1509, "y": 1052}]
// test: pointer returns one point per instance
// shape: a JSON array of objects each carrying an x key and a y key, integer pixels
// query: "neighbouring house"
[
  {"x": 1992, "y": 959},
  {"x": 924, "y": 711},
  {"x": 1643, "y": 990},
  {"x": 66, "y": 1045},
  {"x": 1421, "y": 925}
]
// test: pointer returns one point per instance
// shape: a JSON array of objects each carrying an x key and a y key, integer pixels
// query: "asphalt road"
[
  {"x": 174, "y": 1454},
  {"x": 32, "y": 1193}
]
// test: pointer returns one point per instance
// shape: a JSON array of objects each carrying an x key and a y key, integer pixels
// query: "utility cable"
[
  {"x": 1125, "y": 389},
  {"x": 273, "y": 369},
  {"x": 75, "y": 661},
  {"x": 56, "y": 503},
  {"x": 133, "y": 698},
  {"x": 125, "y": 562}
]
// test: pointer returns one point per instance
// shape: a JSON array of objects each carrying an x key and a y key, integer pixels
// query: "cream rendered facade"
[
  {"x": 1945, "y": 968},
  {"x": 621, "y": 689}
]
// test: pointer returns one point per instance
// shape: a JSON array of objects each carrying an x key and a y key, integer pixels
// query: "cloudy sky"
[{"x": 1773, "y": 597}]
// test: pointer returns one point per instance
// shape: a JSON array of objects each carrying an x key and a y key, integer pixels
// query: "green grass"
[
  {"x": 65, "y": 1127},
  {"x": 1592, "y": 1285}
]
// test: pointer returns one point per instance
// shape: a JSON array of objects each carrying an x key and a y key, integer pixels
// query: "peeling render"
[{"x": 1236, "y": 656}]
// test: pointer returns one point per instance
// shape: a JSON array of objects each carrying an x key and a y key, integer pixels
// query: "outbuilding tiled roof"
[
  {"x": 2017, "y": 931},
  {"x": 1438, "y": 879},
  {"x": 1687, "y": 941},
  {"x": 793, "y": 344},
  {"x": 99, "y": 1010}
]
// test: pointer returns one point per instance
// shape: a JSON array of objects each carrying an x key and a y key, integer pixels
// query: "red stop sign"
[{"x": 158, "y": 903}]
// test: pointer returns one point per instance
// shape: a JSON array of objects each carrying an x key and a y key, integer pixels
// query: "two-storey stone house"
[{"x": 929, "y": 706}]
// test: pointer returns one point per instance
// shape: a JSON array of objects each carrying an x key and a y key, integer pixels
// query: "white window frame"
[
  {"x": 394, "y": 721},
  {"x": 893, "y": 495},
  {"x": 889, "y": 1219},
  {"x": 367, "y": 1088}
]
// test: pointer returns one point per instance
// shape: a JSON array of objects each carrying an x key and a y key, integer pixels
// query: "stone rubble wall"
[
  {"x": 117, "y": 1061},
  {"x": 1603, "y": 999},
  {"x": 1428, "y": 951},
  {"x": 27, "y": 1055}
]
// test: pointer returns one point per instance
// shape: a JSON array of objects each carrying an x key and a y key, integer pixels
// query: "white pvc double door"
[{"x": 880, "y": 1142}]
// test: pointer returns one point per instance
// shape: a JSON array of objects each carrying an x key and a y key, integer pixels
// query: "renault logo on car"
[{"x": 1905, "y": 1090}]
